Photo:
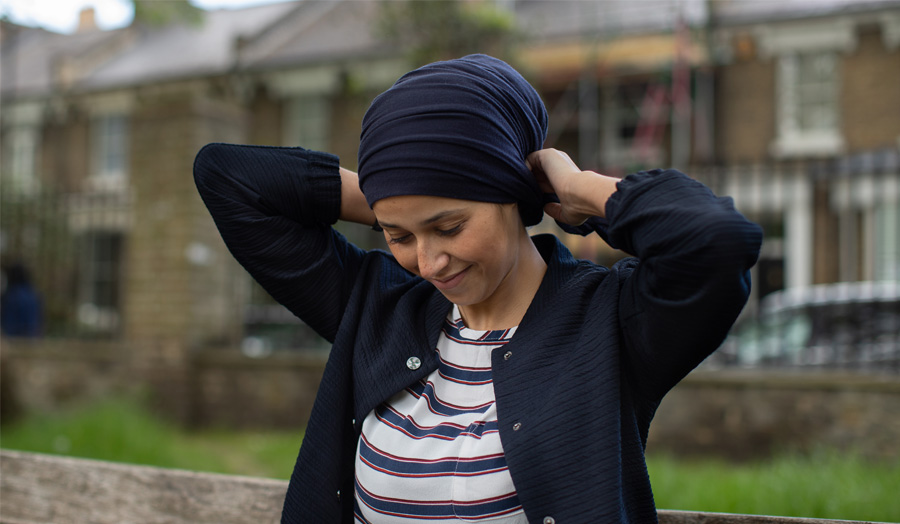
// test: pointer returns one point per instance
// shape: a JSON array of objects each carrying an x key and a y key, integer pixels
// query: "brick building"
[
  {"x": 791, "y": 108},
  {"x": 810, "y": 92}
]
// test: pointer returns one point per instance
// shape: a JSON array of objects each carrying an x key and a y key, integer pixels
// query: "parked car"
[{"x": 849, "y": 325}]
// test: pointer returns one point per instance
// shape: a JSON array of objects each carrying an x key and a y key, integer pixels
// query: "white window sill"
[
  {"x": 107, "y": 184},
  {"x": 807, "y": 145}
]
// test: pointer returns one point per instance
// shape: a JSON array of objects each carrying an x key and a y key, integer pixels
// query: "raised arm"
[
  {"x": 353, "y": 204},
  {"x": 582, "y": 194},
  {"x": 274, "y": 207},
  {"x": 695, "y": 250}
]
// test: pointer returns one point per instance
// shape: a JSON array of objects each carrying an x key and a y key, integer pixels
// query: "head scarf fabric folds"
[{"x": 457, "y": 129}]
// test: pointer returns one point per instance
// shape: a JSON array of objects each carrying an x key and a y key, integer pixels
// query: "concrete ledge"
[
  {"x": 795, "y": 379},
  {"x": 46, "y": 489}
]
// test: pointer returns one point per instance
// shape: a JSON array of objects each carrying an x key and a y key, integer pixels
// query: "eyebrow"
[{"x": 427, "y": 221}]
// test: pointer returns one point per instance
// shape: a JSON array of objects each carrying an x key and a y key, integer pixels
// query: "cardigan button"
[
  {"x": 549, "y": 520},
  {"x": 413, "y": 363},
  {"x": 517, "y": 426},
  {"x": 339, "y": 496},
  {"x": 507, "y": 355}
]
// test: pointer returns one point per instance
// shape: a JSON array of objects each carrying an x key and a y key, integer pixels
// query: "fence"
[
  {"x": 42, "y": 489},
  {"x": 71, "y": 246},
  {"x": 827, "y": 285},
  {"x": 832, "y": 221}
]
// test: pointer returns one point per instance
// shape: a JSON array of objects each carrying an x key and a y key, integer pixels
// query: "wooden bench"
[{"x": 47, "y": 489}]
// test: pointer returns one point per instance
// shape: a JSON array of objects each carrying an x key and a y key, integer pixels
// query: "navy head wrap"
[{"x": 457, "y": 129}]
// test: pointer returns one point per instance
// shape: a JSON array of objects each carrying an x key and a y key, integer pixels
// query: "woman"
[{"x": 477, "y": 373}]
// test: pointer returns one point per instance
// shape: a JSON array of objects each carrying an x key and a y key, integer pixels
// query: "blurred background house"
[{"x": 791, "y": 107}]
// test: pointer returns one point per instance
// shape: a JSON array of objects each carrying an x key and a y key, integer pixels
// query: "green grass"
[
  {"x": 825, "y": 484},
  {"x": 121, "y": 430}
]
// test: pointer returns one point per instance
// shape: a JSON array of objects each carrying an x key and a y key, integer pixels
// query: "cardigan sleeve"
[
  {"x": 274, "y": 207},
  {"x": 692, "y": 280}
]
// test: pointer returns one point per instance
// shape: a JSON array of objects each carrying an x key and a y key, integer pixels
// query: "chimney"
[{"x": 86, "y": 21}]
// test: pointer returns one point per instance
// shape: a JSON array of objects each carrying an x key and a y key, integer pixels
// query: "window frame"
[
  {"x": 96, "y": 313},
  {"x": 109, "y": 151},
  {"x": 307, "y": 122},
  {"x": 794, "y": 136},
  {"x": 784, "y": 43}
]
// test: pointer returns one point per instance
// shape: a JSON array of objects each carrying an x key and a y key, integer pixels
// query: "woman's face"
[{"x": 468, "y": 250}]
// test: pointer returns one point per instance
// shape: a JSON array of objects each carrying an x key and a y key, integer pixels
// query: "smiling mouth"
[{"x": 450, "y": 283}]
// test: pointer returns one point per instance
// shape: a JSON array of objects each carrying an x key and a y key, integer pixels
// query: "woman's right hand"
[{"x": 582, "y": 194}]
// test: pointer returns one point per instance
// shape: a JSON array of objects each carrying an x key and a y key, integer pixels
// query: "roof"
[
  {"x": 36, "y": 62},
  {"x": 29, "y": 56},
  {"x": 565, "y": 19},
  {"x": 737, "y": 12},
  {"x": 180, "y": 51},
  {"x": 317, "y": 31}
]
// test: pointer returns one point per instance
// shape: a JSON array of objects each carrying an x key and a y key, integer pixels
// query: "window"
[
  {"x": 99, "y": 301},
  {"x": 109, "y": 151},
  {"x": 807, "y": 97},
  {"x": 887, "y": 242},
  {"x": 20, "y": 155},
  {"x": 807, "y": 88},
  {"x": 307, "y": 122}
]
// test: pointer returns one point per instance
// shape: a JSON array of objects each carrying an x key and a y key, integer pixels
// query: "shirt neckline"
[{"x": 455, "y": 318}]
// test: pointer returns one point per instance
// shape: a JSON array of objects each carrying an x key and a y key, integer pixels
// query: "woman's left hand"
[{"x": 582, "y": 194}]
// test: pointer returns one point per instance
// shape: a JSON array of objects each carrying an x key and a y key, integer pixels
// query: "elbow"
[
  {"x": 208, "y": 162},
  {"x": 733, "y": 242}
]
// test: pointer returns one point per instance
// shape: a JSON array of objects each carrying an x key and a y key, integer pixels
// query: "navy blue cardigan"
[{"x": 592, "y": 358}]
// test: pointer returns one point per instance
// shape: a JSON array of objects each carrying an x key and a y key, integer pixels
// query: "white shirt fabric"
[{"x": 432, "y": 451}]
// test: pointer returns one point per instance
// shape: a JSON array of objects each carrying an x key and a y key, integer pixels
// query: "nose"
[{"x": 431, "y": 260}]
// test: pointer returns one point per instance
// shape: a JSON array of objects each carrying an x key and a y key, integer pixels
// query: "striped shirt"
[{"x": 432, "y": 451}]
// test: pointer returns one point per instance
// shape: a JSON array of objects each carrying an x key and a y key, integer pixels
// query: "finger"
[
  {"x": 568, "y": 160},
  {"x": 533, "y": 161}
]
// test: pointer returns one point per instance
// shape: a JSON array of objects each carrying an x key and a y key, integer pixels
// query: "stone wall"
[
  {"x": 736, "y": 415},
  {"x": 235, "y": 391},
  {"x": 870, "y": 100},
  {"x": 745, "y": 116},
  {"x": 216, "y": 388},
  {"x": 748, "y": 415},
  {"x": 180, "y": 278}
]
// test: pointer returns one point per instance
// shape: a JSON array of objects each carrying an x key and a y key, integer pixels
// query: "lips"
[{"x": 450, "y": 283}]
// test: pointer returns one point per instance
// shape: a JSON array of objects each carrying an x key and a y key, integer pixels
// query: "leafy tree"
[
  {"x": 444, "y": 29},
  {"x": 165, "y": 12}
]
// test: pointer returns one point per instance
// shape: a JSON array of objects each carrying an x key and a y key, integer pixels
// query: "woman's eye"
[
  {"x": 398, "y": 240},
  {"x": 451, "y": 231}
]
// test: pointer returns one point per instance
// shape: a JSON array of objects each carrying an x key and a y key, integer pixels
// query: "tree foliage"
[
  {"x": 444, "y": 29},
  {"x": 161, "y": 13}
]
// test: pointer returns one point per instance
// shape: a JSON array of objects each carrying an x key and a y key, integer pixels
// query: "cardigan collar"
[
  {"x": 561, "y": 267},
  {"x": 416, "y": 324}
]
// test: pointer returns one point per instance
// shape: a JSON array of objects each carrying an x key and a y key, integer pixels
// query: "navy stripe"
[
  {"x": 443, "y": 467},
  {"x": 490, "y": 338},
  {"x": 462, "y": 374},
  {"x": 443, "y": 509},
  {"x": 437, "y": 406},
  {"x": 443, "y": 431}
]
